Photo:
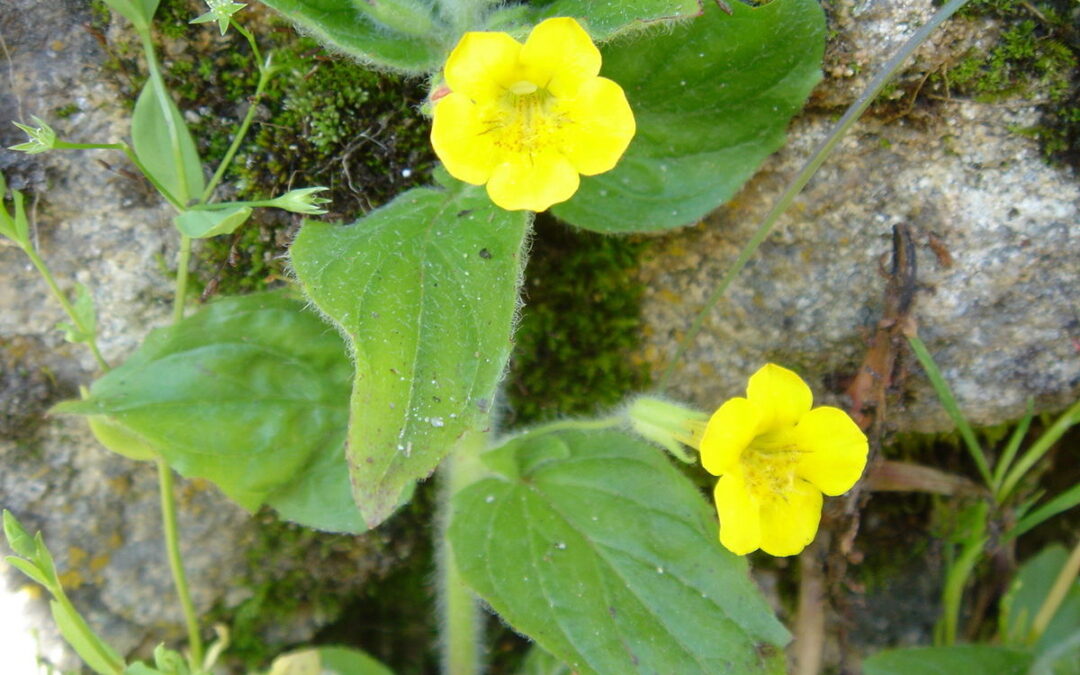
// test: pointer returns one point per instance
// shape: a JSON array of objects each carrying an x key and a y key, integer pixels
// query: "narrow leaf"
[
  {"x": 202, "y": 224},
  {"x": 250, "y": 393},
  {"x": 712, "y": 98},
  {"x": 98, "y": 656},
  {"x": 29, "y": 569},
  {"x": 163, "y": 144},
  {"x": 1063, "y": 502},
  {"x": 425, "y": 290},
  {"x": 17, "y": 537},
  {"x": 597, "y": 548},
  {"x": 982, "y": 659}
]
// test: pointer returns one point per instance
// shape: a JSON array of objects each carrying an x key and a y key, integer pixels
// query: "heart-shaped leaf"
[
  {"x": 341, "y": 26},
  {"x": 594, "y": 546},
  {"x": 425, "y": 290},
  {"x": 250, "y": 393},
  {"x": 712, "y": 97}
]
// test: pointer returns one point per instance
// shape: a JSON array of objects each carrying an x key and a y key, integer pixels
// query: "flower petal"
[
  {"x": 601, "y": 125},
  {"x": 559, "y": 55},
  {"x": 461, "y": 140},
  {"x": 533, "y": 182},
  {"x": 740, "y": 518},
  {"x": 790, "y": 521},
  {"x": 832, "y": 450},
  {"x": 483, "y": 65},
  {"x": 729, "y": 431},
  {"x": 782, "y": 395}
]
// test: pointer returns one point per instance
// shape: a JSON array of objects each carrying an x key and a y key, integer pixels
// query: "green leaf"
[
  {"x": 202, "y": 224},
  {"x": 86, "y": 315},
  {"x": 120, "y": 439},
  {"x": 138, "y": 12},
  {"x": 981, "y": 659},
  {"x": 540, "y": 662},
  {"x": 166, "y": 150},
  {"x": 597, "y": 548},
  {"x": 425, "y": 291},
  {"x": 98, "y": 656},
  {"x": 1026, "y": 596},
  {"x": 327, "y": 661},
  {"x": 1068, "y": 499},
  {"x": 169, "y": 661},
  {"x": 606, "y": 20},
  {"x": 29, "y": 569},
  {"x": 17, "y": 537},
  {"x": 409, "y": 17},
  {"x": 338, "y": 24},
  {"x": 140, "y": 668},
  {"x": 712, "y": 98},
  {"x": 250, "y": 393}
]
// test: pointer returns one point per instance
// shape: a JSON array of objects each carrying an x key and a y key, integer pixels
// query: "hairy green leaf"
[
  {"x": 202, "y": 224},
  {"x": 712, "y": 98},
  {"x": 340, "y": 25},
  {"x": 594, "y": 546},
  {"x": 425, "y": 290},
  {"x": 163, "y": 144},
  {"x": 603, "y": 20},
  {"x": 540, "y": 662},
  {"x": 982, "y": 659},
  {"x": 250, "y": 393}
]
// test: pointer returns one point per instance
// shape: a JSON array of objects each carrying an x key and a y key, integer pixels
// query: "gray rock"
[
  {"x": 99, "y": 513},
  {"x": 1001, "y": 321}
]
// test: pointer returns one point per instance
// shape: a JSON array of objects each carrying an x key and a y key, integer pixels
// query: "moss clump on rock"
[
  {"x": 580, "y": 327},
  {"x": 1036, "y": 57}
]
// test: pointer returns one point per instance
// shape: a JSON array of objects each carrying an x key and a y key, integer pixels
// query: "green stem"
[
  {"x": 66, "y": 304},
  {"x": 1056, "y": 596},
  {"x": 176, "y": 564},
  {"x": 809, "y": 169},
  {"x": 1007, "y": 455},
  {"x": 126, "y": 149},
  {"x": 264, "y": 77},
  {"x": 955, "y": 581},
  {"x": 183, "y": 261},
  {"x": 1038, "y": 449},
  {"x": 460, "y": 617}
]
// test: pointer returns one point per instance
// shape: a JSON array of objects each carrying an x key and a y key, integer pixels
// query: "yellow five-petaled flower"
[
  {"x": 526, "y": 119},
  {"x": 775, "y": 457}
]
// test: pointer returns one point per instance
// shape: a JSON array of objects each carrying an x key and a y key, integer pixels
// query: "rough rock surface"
[
  {"x": 99, "y": 513},
  {"x": 1000, "y": 320}
]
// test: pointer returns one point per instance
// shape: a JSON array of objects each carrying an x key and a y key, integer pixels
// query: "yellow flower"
[
  {"x": 775, "y": 457},
  {"x": 526, "y": 119}
]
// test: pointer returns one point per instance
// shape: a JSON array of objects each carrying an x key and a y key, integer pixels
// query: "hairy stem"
[{"x": 460, "y": 618}]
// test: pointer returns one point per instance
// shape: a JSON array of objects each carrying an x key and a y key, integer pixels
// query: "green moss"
[
  {"x": 66, "y": 111},
  {"x": 1037, "y": 57},
  {"x": 580, "y": 326}
]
